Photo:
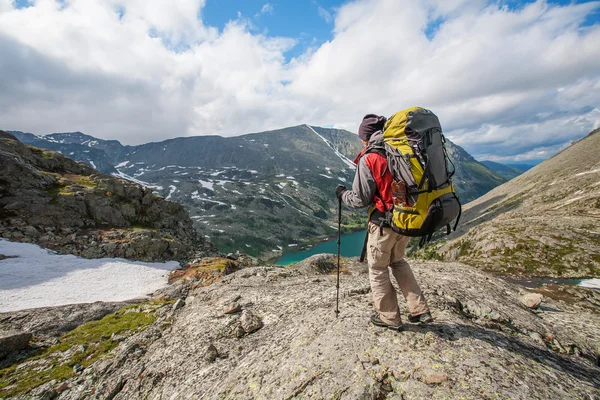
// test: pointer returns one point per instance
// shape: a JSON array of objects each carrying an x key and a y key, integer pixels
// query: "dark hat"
[{"x": 370, "y": 124}]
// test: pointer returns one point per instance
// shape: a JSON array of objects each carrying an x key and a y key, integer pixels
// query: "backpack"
[{"x": 422, "y": 190}]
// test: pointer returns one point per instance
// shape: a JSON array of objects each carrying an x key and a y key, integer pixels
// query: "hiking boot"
[
  {"x": 377, "y": 321},
  {"x": 424, "y": 318}
]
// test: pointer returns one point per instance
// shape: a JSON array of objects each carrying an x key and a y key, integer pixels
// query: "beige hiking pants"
[{"x": 387, "y": 250}]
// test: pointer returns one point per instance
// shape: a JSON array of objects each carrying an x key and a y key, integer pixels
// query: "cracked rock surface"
[{"x": 287, "y": 343}]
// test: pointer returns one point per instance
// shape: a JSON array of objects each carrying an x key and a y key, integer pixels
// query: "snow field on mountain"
[{"x": 36, "y": 277}]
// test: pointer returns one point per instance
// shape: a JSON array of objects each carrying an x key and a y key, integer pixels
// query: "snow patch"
[
  {"x": 172, "y": 190},
  {"x": 196, "y": 196},
  {"x": 344, "y": 159},
  {"x": 590, "y": 283},
  {"x": 92, "y": 164},
  {"x": 593, "y": 171},
  {"x": 120, "y": 174},
  {"x": 206, "y": 184},
  {"x": 40, "y": 278},
  {"x": 121, "y": 165}
]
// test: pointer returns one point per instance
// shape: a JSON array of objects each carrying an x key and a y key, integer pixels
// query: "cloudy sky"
[{"x": 510, "y": 80}]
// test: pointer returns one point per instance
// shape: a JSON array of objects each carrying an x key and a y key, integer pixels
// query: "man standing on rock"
[{"x": 385, "y": 248}]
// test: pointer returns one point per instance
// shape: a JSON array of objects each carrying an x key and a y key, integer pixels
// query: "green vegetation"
[
  {"x": 429, "y": 252},
  {"x": 42, "y": 153},
  {"x": 82, "y": 346},
  {"x": 63, "y": 186},
  {"x": 321, "y": 214},
  {"x": 354, "y": 222},
  {"x": 465, "y": 246}
]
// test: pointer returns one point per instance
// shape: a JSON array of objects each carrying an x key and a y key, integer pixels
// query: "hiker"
[{"x": 385, "y": 248}]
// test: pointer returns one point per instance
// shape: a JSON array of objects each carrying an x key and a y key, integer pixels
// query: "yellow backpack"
[{"x": 423, "y": 194}]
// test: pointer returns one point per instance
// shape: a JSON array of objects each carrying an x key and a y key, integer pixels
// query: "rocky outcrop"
[
  {"x": 50, "y": 200},
  {"x": 11, "y": 341},
  {"x": 284, "y": 341}
]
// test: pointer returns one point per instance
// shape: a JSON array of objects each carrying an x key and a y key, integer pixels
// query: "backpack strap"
[
  {"x": 363, "y": 253},
  {"x": 459, "y": 211}
]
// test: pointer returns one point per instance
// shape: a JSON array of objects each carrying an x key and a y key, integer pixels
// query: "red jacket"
[{"x": 373, "y": 180}]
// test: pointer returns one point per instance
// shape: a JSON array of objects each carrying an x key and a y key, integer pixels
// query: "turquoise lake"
[{"x": 351, "y": 246}]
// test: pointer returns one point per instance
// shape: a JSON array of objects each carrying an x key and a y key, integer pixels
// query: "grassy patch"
[
  {"x": 465, "y": 246},
  {"x": 42, "y": 153},
  {"x": 83, "y": 345},
  {"x": 82, "y": 180},
  {"x": 210, "y": 270}
]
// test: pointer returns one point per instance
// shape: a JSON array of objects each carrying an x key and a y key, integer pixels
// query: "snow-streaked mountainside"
[
  {"x": 255, "y": 193},
  {"x": 33, "y": 277}
]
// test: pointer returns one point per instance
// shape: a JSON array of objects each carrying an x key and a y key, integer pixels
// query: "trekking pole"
[{"x": 339, "y": 241}]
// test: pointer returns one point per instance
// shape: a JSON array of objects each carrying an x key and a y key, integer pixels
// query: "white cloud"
[
  {"x": 326, "y": 15},
  {"x": 267, "y": 9},
  {"x": 503, "y": 81}
]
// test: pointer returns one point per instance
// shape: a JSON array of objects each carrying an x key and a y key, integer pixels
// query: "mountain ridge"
[{"x": 228, "y": 178}]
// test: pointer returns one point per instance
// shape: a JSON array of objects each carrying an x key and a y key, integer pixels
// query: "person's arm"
[{"x": 364, "y": 187}]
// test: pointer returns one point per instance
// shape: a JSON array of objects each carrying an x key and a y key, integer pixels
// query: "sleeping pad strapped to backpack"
[{"x": 423, "y": 194}]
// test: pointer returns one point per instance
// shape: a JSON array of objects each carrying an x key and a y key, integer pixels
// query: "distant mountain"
[
  {"x": 523, "y": 167},
  {"x": 545, "y": 222},
  {"x": 258, "y": 192},
  {"x": 76, "y": 146},
  {"x": 472, "y": 179},
  {"x": 506, "y": 171}
]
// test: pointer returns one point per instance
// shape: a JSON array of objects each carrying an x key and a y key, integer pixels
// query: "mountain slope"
[
  {"x": 545, "y": 222},
  {"x": 471, "y": 179},
  {"x": 261, "y": 191}
]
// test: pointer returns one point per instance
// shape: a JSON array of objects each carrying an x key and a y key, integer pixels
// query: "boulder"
[
  {"x": 319, "y": 264},
  {"x": 531, "y": 300},
  {"x": 250, "y": 322},
  {"x": 11, "y": 340}
]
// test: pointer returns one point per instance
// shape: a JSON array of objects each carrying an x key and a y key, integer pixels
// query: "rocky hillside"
[
  {"x": 271, "y": 333},
  {"x": 255, "y": 193},
  {"x": 51, "y": 200},
  {"x": 545, "y": 222}
]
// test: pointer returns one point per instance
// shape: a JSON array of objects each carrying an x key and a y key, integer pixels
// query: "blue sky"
[{"x": 310, "y": 22}]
